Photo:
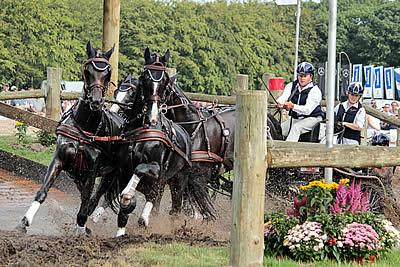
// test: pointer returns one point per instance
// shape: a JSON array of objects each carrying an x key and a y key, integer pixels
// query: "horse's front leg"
[
  {"x": 127, "y": 204},
  {"x": 96, "y": 213},
  {"x": 51, "y": 175},
  {"x": 86, "y": 189}
]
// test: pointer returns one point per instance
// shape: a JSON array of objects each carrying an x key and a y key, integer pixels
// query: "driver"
[
  {"x": 302, "y": 98},
  {"x": 352, "y": 114}
]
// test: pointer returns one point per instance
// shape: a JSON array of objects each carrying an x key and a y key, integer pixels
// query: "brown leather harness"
[{"x": 206, "y": 156}]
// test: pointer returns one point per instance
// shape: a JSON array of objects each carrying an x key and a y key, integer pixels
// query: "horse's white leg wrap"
[
  {"x": 146, "y": 213},
  {"x": 32, "y": 211},
  {"x": 80, "y": 230},
  {"x": 120, "y": 232},
  {"x": 129, "y": 190},
  {"x": 97, "y": 214}
]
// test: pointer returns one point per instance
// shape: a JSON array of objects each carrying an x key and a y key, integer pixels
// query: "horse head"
[
  {"x": 129, "y": 100},
  {"x": 154, "y": 81},
  {"x": 96, "y": 72}
]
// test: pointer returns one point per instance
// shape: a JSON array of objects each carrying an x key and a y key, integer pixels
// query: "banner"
[
  {"x": 378, "y": 82},
  {"x": 345, "y": 80},
  {"x": 321, "y": 73},
  {"x": 389, "y": 83},
  {"x": 357, "y": 73},
  {"x": 369, "y": 78},
  {"x": 397, "y": 80}
]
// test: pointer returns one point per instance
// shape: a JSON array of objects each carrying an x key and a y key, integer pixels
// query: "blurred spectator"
[
  {"x": 374, "y": 124},
  {"x": 6, "y": 87},
  {"x": 388, "y": 111},
  {"x": 38, "y": 106},
  {"x": 13, "y": 88},
  {"x": 23, "y": 104},
  {"x": 66, "y": 105},
  {"x": 395, "y": 106}
]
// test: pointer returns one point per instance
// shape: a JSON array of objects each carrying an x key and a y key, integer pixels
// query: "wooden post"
[
  {"x": 242, "y": 82},
  {"x": 247, "y": 238},
  {"x": 53, "y": 105},
  {"x": 398, "y": 138},
  {"x": 111, "y": 18},
  {"x": 171, "y": 71}
]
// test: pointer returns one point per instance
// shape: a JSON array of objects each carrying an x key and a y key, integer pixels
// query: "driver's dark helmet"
[
  {"x": 305, "y": 68},
  {"x": 355, "y": 88},
  {"x": 380, "y": 140}
]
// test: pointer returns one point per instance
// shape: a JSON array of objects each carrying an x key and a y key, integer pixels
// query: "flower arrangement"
[
  {"x": 275, "y": 229},
  {"x": 306, "y": 241},
  {"x": 359, "y": 240},
  {"x": 391, "y": 236},
  {"x": 329, "y": 221}
]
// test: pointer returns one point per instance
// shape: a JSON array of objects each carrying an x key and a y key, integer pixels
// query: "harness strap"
[
  {"x": 79, "y": 160},
  {"x": 143, "y": 135},
  {"x": 222, "y": 150},
  {"x": 206, "y": 156}
]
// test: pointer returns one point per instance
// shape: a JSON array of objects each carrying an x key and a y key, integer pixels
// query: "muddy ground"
[{"x": 51, "y": 239}]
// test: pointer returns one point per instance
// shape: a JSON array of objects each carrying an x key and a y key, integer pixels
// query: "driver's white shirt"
[{"x": 313, "y": 99}]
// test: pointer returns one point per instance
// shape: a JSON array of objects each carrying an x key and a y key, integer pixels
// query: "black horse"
[
  {"x": 158, "y": 152},
  {"x": 212, "y": 132},
  {"x": 83, "y": 140}
]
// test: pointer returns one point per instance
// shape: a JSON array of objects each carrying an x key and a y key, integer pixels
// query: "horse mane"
[{"x": 174, "y": 87}]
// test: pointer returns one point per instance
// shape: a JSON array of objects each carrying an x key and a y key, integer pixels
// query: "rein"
[{"x": 205, "y": 119}]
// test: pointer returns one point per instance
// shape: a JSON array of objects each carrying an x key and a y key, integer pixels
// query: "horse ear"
[
  {"x": 165, "y": 57},
  {"x": 108, "y": 54},
  {"x": 147, "y": 56},
  {"x": 173, "y": 79},
  {"x": 129, "y": 78},
  {"x": 90, "y": 50}
]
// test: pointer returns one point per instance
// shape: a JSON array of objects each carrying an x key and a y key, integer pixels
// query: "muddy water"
[
  {"x": 16, "y": 195},
  {"x": 57, "y": 215}
]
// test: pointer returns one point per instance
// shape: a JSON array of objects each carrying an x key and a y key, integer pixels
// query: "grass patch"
[
  {"x": 10, "y": 144},
  {"x": 181, "y": 254},
  {"x": 174, "y": 254}
]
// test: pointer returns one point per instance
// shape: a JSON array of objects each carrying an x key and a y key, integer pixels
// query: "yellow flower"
[
  {"x": 344, "y": 181},
  {"x": 19, "y": 123}
]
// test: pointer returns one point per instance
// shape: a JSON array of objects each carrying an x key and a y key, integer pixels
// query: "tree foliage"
[{"x": 210, "y": 43}]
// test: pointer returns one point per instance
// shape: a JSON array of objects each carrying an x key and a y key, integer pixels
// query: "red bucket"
[{"x": 276, "y": 84}]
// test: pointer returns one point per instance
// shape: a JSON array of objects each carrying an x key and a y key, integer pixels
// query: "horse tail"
[{"x": 197, "y": 193}]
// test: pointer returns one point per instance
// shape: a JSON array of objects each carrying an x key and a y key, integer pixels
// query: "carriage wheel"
[{"x": 376, "y": 197}]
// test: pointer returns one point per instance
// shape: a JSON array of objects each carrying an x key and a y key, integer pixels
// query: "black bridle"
[{"x": 93, "y": 61}]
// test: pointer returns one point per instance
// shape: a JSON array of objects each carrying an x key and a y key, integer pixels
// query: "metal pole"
[
  {"x": 297, "y": 37},
  {"x": 330, "y": 103}
]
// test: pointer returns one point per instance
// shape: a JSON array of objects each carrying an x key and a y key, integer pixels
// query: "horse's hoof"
[
  {"x": 88, "y": 231},
  {"x": 120, "y": 232},
  {"x": 142, "y": 223},
  {"x": 21, "y": 227},
  {"x": 97, "y": 214},
  {"x": 81, "y": 230}
]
